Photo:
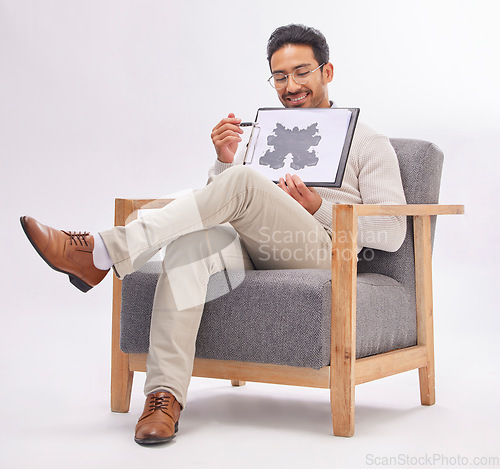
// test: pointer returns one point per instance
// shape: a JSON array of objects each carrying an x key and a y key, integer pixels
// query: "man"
[{"x": 199, "y": 242}]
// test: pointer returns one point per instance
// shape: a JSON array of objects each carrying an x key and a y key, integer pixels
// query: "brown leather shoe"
[
  {"x": 65, "y": 251},
  {"x": 160, "y": 420}
]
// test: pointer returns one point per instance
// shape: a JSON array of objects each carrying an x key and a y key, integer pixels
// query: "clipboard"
[{"x": 313, "y": 143}]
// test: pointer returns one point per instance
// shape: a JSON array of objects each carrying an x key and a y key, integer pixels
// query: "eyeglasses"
[{"x": 300, "y": 76}]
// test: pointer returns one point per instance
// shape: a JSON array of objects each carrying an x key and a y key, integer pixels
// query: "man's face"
[{"x": 312, "y": 94}]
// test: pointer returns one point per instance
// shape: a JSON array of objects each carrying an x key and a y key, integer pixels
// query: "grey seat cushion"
[{"x": 277, "y": 316}]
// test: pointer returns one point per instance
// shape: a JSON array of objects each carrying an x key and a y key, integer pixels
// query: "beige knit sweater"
[{"x": 372, "y": 177}]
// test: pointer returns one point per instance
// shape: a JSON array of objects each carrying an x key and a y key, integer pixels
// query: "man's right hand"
[{"x": 226, "y": 137}]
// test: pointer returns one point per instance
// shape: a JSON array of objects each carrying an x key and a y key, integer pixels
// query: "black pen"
[{"x": 247, "y": 124}]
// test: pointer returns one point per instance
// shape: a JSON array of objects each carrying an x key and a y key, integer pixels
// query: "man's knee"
[
  {"x": 199, "y": 246},
  {"x": 242, "y": 176},
  {"x": 198, "y": 255}
]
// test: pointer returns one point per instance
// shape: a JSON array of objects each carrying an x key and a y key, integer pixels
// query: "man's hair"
[{"x": 299, "y": 34}]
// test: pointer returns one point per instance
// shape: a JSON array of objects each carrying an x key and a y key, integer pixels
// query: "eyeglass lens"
[{"x": 300, "y": 76}]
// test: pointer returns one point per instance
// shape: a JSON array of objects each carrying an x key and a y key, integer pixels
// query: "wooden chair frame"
[{"x": 345, "y": 371}]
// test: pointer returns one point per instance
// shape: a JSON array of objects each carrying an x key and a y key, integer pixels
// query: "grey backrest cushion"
[{"x": 421, "y": 164}]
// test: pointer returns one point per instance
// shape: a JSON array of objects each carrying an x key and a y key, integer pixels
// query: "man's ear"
[{"x": 328, "y": 72}]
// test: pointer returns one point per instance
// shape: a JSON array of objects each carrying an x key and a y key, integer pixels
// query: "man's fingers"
[
  {"x": 226, "y": 137},
  {"x": 282, "y": 185},
  {"x": 234, "y": 129},
  {"x": 227, "y": 120},
  {"x": 291, "y": 186},
  {"x": 308, "y": 197},
  {"x": 216, "y": 137},
  {"x": 301, "y": 187},
  {"x": 227, "y": 141}
]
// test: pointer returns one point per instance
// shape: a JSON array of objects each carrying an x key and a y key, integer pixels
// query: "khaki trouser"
[{"x": 270, "y": 230}]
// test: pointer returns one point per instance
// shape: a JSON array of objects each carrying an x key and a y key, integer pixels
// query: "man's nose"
[{"x": 291, "y": 86}]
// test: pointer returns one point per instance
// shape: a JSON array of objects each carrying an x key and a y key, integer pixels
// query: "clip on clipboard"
[{"x": 313, "y": 143}]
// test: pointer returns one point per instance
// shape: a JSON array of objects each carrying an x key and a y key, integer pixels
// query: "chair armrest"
[
  {"x": 149, "y": 203},
  {"x": 125, "y": 208},
  {"x": 411, "y": 210}
]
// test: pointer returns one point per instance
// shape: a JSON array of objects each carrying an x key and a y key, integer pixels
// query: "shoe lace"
[
  {"x": 160, "y": 402},
  {"x": 77, "y": 238}
]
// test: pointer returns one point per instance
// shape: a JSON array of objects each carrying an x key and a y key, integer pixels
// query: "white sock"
[{"x": 100, "y": 254}]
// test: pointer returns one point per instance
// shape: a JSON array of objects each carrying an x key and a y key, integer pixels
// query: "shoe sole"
[
  {"x": 77, "y": 282},
  {"x": 154, "y": 441}
]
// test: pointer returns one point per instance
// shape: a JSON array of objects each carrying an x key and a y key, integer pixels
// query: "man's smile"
[{"x": 297, "y": 98}]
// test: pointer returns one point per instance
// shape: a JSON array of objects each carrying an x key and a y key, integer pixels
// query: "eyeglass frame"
[{"x": 287, "y": 75}]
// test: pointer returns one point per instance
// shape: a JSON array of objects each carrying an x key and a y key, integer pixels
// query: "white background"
[{"x": 105, "y": 99}]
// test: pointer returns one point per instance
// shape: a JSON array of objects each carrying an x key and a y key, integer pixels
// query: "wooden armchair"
[{"x": 348, "y": 355}]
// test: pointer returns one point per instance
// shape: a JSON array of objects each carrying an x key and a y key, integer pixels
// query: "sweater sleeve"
[
  {"x": 219, "y": 166},
  {"x": 380, "y": 183},
  {"x": 324, "y": 214}
]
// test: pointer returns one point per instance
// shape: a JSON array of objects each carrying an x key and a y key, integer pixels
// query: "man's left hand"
[{"x": 305, "y": 196}]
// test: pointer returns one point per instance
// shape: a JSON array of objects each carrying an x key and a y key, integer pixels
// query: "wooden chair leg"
[
  {"x": 427, "y": 385},
  {"x": 342, "y": 404},
  {"x": 121, "y": 376},
  {"x": 343, "y": 327},
  {"x": 423, "y": 284},
  {"x": 121, "y": 383},
  {"x": 235, "y": 382}
]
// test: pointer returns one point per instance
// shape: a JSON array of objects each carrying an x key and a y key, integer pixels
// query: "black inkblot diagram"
[{"x": 297, "y": 142}]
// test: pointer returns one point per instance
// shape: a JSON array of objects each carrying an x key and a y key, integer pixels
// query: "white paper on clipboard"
[{"x": 308, "y": 142}]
